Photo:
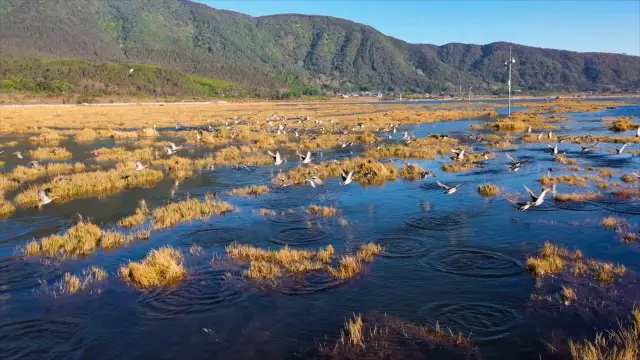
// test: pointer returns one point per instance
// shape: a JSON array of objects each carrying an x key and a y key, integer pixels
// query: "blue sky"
[{"x": 607, "y": 26}]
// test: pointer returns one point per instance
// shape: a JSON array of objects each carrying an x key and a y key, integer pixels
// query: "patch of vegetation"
[
  {"x": 488, "y": 190},
  {"x": 173, "y": 214},
  {"x": 160, "y": 268}
]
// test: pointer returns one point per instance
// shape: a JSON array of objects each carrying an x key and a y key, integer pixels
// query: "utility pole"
[
  {"x": 470, "y": 94},
  {"x": 509, "y": 62}
]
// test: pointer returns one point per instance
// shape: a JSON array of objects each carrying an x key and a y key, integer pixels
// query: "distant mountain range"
[{"x": 273, "y": 55}]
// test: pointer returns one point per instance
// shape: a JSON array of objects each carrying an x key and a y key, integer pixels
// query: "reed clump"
[
  {"x": 253, "y": 190},
  {"x": 114, "y": 239},
  {"x": 623, "y": 124},
  {"x": 173, "y": 214},
  {"x": 56, "y": 153},
  {"x": 488, "y": 190},
  {"x": 348, "y": 267},
  {"x": 604, "y": 172},
  {"x": 367, "y": 171},
  {"x": 122, "y": 154},
  {"x": 564, "y": 160},
  {"x": 266, "y": 212},
  {"x": 23, "y": 173},
  {"x": 576, "y": 197},
  {"x": 354, "y": 331},
  {"x": 630, "y": 237},
  {"x": 611, "y": 222},
  {"x": 629, "y": 178},
  {"x": 568, "y": 295},
  {"x": 72, "y": 284},
  {"x": 412, "y": 172},
  {"x": 554, "y": 259},
  {"x": 456, "y": 167},
  {"x": 80, "y": 240},
  {"x": 622, "y": 344},
  {"x": 97, "y": 183},
  {"x": 161, "y": 267},
  {"x": 137, "y": 218},
  {"x": 262, "y": 270},
  {"x": 324, "y": 211},
  {"x": 49, "y": 137},
  {"x": 571, "y": 180},
  {"x": 6, "y": 207}
]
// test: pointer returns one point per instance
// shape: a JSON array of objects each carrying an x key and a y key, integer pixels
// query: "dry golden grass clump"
[
  {"x": 571, "y": 180},
  {"x": 626, "y": 193},
  {"x": 173, "y": 214},
  {"x": 7, "y": 183},
  {"x": 6, "y": 207},
  {"x": 368, "y": 252},
  {"x": 629, "y": 178},
  {"x": 604, "y": 172},
  {"x": 488, "y": 190},
  {"x": 262, "y": 270},
  {"x": 49, "y": 137},
  {"x": 122, "y": 154},
  {"x": 324, "y": 211},
  {"x": 137, "y": 218},
  {"x": 576, "y": 197},
  {"x": 113, "y": 240},
  {"x": 456, "y": 167},
  {"x": 86, "y": 135},
  {"x": 554, "y": 259},
  {"x": 160, "y": 268},
  {"x": 427, "y": 148},
  {"x": 354, "y": 331},
  {"x": 348, "y": 267},
  {"x": 265, "y": 212},
  {"x": 623, "y": 124},
  {"x": 623, "y": 344},
  {"x": 72, "y": 284},
  {"x": 81, "y": 239},
  {"x": 367, "y": 171},
  {"x": 253, "y": 190},
  {"x": 23, "y": 173},
  {"x": 613, "y": 223},
  {"x": 57, "y": 153},
  {"x": 568, "y": 295},
  {"x": 88, "y": 184},
  {"x": 564, "y": 160},
  {"x": 412, "y": 172}
]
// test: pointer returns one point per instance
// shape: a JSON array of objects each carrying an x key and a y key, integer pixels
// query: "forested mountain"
[{"x": 281, "y": 53}]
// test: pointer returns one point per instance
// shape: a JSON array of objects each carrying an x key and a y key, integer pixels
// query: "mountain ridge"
[{"x": 277, "y": 54}]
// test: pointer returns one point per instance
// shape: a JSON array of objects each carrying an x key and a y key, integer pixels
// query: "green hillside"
[{"x": 287, "y": 55}]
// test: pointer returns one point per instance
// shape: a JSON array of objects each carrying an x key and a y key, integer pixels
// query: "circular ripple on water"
[
  {"x": 474, "y": 263},
  {"x": 620, "y": 206},
  {"x": 299, "y": 236},
  {"x": 289, "y": 218},
  {"x": 215, "y": 237},
  {"x": 308, "y": 284},
  {"x": 20, "y": 274},
  {"x": 577, "y": 205},
  {"x": 402, "y": 246},
  {"x": 447, "y": 222},
  {"x": 200, "y": 292},
  {"x": 32, "y": 338},
  {"x": 483, "y": 321}
]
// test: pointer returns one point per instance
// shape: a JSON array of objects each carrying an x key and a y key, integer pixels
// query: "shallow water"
[{"x": 452, "y": 260}]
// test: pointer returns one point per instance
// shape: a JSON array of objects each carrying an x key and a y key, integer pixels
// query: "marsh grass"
[
  {"x": 629, "y": 237},
  {"x": 58, "y": 153},
  {"x": 196, "y": 250},
  {"x": 488, "y": 190},
  {"x": 554, "y": 259},
  {"x": 72, "y": 284},
  {"x": 622, "y": 344},
  {"x": 576, "y": 197},
  {"x": 367, "y": 171},
  {"x": 623, "y": 124},
  {"x": 262, "y": 270},
  {"x": 6, "y": 208},
  {"x": 324, "y": 211},
  {"x": 369, "y": 251},
  {"x": 114, "y": 239},
  {"x": 173, "y": 214},
  {"x": 571, "y": 180},
  {"x": 80, "y": 240},
  {"x": 161, "y": 267},
  {"x": 411, "y": 172},
  {"x": 137, "y": 218},
  {"x": 97, "y": 183},
  {"x": 564, "y": 160},
  {"x": 253, "y": 190},
  {"x": 626, "y": 193},
  {"x": 122, "y": 154},
  {"x": 604, "y": 172},
  {"x": 568, "y": 295},
  {"x": 456, "y": 167},
  {"x": 265, "y": 212},
  {"x": 629, "y": 178},
  {"x": 354, "y": 331},
  {"x": 348, "y": 267},
  {"x": 49, "y": 138},
  {"x": 611, "y": 223},
  {"x": 24, "y": 174}
]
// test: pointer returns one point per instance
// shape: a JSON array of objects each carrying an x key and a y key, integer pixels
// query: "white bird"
[
  {"x": 18, "y": 154},
  {"x": 536, "y": 200},
  {"x": 554, "y": 149},
  {"x": 346, "y": 178},
  {"x": 540, "y": 135},
  {"x": 174, "y": 188},
  {"x": 619, "y": 151},
  {"x": 33, "y": 164},
  {"x": 314, "y": 180},
  {"x": 529, "y": 130},
  {"x": 139, "y": 166},
  {"x": 448, "y": 189},
  {"x": 45, "y": 197},
  {"x": 304, "y": 158},
  {"x": 638, "y": 132},
  {"x": 174, "y": 147},
  {"x": 277, "y": 159},
  {"x": 550, "y": 134},
  {"x": 459, "y": 154},
  {"x": 130, "y": 71}
]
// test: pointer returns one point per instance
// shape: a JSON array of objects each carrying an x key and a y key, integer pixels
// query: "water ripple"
[{"x": 474, "y": 263}]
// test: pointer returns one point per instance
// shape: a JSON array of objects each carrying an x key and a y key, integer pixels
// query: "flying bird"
[
  {"x": 45, "y": 197},
  {"x": 448, "y": 189},
  {"x": 346, "y": 178},
  {"x": 277, "y": 159},
  {"x": 314, "y": 180},
  {"x": 304, "y": 158},
  {"x": 619, "y": 151},
  {"x": 140, "y": 166}
]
